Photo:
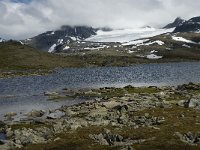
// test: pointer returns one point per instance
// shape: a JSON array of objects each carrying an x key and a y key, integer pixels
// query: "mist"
[{"x": 20, "y": 20}]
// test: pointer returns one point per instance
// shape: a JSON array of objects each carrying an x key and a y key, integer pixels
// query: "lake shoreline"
[
  {"x": 115, "y": 118},
  {"x": 10, "y": 73}
]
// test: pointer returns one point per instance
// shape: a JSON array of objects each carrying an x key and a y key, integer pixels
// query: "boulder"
[
  {"x": 189, "y": 138},
  {"x": 51, "y": 93},
  {"x": 192, "y": 103},
  {"x": 9, "y": 133},
  {"x": 35, "y": 113},
  {"x": 100, "y": 112},
  {"x": 106, "y": 138},
  {"x": 55, "y": 115},
  {"x": 110, "y": 104},
  {"x": 10, "y": 114}
]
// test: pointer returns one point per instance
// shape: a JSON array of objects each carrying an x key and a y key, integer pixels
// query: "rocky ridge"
[
  {"x": 177, "y": 22},
  {"x": 51, "y": 40},
  {"x": 191, "y": 25}
]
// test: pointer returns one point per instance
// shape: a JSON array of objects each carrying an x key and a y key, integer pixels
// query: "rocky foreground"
[{"x": 126, "y": 118}]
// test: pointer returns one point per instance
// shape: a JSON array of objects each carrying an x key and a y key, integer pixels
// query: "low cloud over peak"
[{"x": 24, "y": 18}]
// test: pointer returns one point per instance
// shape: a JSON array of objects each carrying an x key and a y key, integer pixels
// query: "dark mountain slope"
[{"x": 66, "y": 34}]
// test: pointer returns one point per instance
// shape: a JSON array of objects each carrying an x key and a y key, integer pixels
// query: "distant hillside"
[
  {"x": 50, "y": 40},
  {"x": 192, "y": 25},
  {"x": 177, "y": 22},
  {"x": 14, "y": 55}
]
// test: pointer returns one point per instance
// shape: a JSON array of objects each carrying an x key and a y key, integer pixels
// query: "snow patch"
[
  {"x": 169, "y": 49},
  {"x": 60, "y": 41},
  {"x": 153, "y": 51},
  {"x": 52, "y": 48},
  {"x": 74, "y": 38},
  {"x": 187, "y": 46},
  {"x": 141, "y": 56},
  {"x": 28, "y": 39},
  {"x": 66, "y": 48},
  {"x": 21, "y": 42},
  {"x": 136, "y": 42},
  {"x": 142, "y": 43},
  {"x": 130, "y": 51},
  {"x": 52, "y": 33},
  {"x": 96, "y": 48},
  {"x": 153, "y": 56},
  {"x": 181, "y": 39},
  {"x": 155, "y": 42}
]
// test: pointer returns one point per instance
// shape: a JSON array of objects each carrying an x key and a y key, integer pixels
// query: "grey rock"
[
  {"x": 99, "y": 139},
  {"x": 191, "y": 103},
  {"x": 51, "y": 93},
  {"x": 190, "y": 138},
  {"x": 107, "y": 138},
  {"x": 10, "y": 114},
  {"x": 194, "y": 102},
  {"x": 182, "y": 103},
  {"x": 35, "y": 113},
  {"x": 55, "y": 115},
  {"x": 126, "y": 148},
  {"x": 9, "y": 133},
  {"x": 58, "y": 127}
]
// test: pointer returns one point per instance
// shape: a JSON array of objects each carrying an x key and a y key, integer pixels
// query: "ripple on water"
[{"x": 25, "y": 93}]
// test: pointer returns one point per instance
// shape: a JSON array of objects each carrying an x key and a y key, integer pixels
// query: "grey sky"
[{"x": 20, "y": 20}]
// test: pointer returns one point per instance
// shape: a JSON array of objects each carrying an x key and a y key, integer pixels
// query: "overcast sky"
[{"x": 21, "y": 19}]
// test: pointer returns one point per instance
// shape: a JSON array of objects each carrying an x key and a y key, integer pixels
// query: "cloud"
[{"x": 23, "y": 20}]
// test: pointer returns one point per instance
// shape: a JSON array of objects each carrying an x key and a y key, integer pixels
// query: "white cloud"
[{"x": 19, "y": 20}]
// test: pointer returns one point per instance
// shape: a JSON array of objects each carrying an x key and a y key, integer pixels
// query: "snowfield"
[{"x": 126, "y": 35}]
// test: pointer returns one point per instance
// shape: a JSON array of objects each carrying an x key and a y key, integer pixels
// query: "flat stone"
[{"x": 110, "y": 104}]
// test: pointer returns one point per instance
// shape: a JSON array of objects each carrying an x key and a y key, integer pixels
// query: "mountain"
[
  {"x": 177, "y": 22},
  {"x": 50, "y": 40},
  {"x": 192, "y": 25}
]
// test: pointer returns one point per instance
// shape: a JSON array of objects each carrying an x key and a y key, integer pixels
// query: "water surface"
[{"x": 22, "y": 94}]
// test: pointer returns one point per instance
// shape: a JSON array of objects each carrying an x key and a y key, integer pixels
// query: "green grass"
[
  {"x": 118, "y": 92},
  {"x": 14, "y": 56},
  {"x": 28, "y": 126}
]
